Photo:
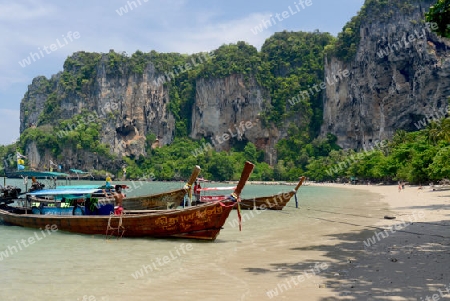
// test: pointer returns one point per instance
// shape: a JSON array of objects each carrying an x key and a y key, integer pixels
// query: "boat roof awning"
[
  {"x": 80, "y": 187},
  {"x": 77, "y": 191},
  {"x": 217, "y": 188},
  {"x": 41, "y": 174},
  {"x": 77, "y": 171}
]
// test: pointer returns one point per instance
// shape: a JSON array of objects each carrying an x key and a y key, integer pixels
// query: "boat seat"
[{"x": 110, "y": 229}]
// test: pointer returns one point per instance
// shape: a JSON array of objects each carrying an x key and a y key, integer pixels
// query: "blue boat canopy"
[
  {"x": 80, "y": 187},
  {"x": 77, "y": 171},
  {"x": 73, "y": 191},
  {"x": 41, "y": 174}
]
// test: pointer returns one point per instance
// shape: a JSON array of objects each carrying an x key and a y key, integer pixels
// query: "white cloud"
[
  {"x": 206, "y": 36},
  {"x": 31, "y": 9}
]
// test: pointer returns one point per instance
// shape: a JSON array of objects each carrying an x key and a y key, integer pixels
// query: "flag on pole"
[
  {"x": 51, "y": 165},
  {"x": 20, "y": 161},
  {"x": 20, "y": 156}
]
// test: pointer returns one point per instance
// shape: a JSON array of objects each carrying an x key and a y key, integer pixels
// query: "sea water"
[{"x": 239, "y": 265}]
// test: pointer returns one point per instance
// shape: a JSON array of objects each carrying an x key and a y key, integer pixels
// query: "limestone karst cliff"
[
  {"x": 228, "y": 110},
  {"x": 399, "y": 74},
  {"x": 397, "y": 71},
  {"x": 129, "y": 107}
]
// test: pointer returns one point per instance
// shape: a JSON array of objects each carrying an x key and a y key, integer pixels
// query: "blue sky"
[{"x": 184, "y": 26}]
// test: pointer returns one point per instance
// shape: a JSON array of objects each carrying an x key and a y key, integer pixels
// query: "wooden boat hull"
[
  {"x": 199, "y": 222},
  {"x": 274, "y": 202},
  {"x": 165, "y": 200}
]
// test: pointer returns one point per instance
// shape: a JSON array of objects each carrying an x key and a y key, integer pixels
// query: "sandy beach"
[{"x": 406, "y": 258}]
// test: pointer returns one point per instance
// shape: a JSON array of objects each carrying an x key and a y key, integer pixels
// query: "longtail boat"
[
  {"x": 273, "y": 202},
  {"x": 199, "y": 222},
  {"x": 165, "y": 200}
]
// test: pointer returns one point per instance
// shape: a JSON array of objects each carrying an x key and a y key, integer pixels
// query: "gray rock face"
[
  {"x": 400, "y": 75},
  {"x": 128, "y": 107},
  {"x": 227, "y": 110},
  {"x": 33, "y": 102},
  {"x": 132, "y": 107}
]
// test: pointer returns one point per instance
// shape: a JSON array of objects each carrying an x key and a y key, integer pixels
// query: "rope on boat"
[{"x": 237, "y": 199}]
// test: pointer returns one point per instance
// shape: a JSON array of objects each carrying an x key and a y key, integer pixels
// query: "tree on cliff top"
[{"x": 440, "y": 14}]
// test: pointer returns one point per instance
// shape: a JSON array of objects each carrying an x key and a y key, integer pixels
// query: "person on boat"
[
  {"x": 197, "y": 191},
  {"x": 118, "y": 196},
  {"x": 35, "y": 185},
  {"x": 186, "y": 200},
  {"x": 108, "y": 183}
]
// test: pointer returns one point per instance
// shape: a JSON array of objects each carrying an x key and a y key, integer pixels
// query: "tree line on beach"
[{"x": 416, "y": 157}]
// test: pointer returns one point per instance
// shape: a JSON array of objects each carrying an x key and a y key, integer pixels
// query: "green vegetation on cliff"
[
  {"x": 440, "y": 14},
  {"x": 76, "y": 133},
  {"x": 292, "y": 62},
  {"x": 239, "y": 58},
  {"x": 287, "y": 64}
]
